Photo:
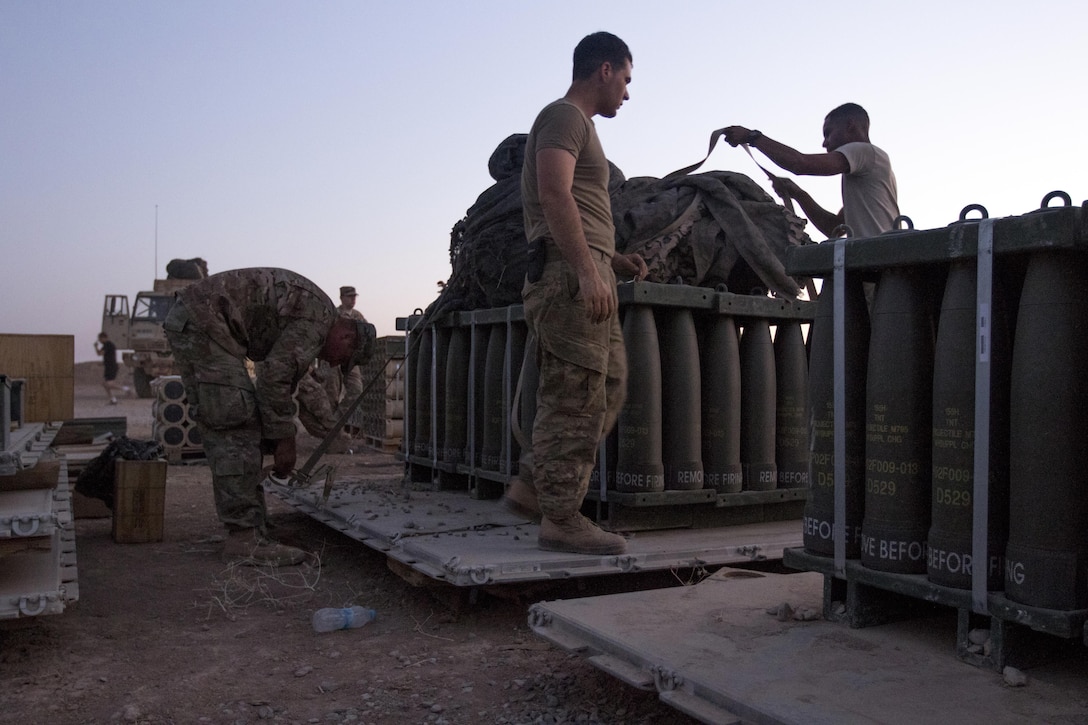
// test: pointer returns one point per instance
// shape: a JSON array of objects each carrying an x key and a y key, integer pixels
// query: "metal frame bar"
[
  {"x": 839, "y": 362},
  {"x": 980, "y": 555},
  {"x": 5, "y": 412}
]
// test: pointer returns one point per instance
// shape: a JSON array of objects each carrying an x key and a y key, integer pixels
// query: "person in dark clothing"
[{"x": 105, "y": 347}]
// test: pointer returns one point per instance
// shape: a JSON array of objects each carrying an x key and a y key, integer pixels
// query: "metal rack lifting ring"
[
  {"x": 1045, "y": 203},
  {"x": 40, "y": 599},
  {"x": 973, "y": 207},
  {"x": 665, "y": 679},
  {"x": 902, "y": 219},
  {"x": 30, "y": 522}
]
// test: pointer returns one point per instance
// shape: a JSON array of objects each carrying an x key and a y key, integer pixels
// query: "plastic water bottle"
[{"x": 332, "y": 618}]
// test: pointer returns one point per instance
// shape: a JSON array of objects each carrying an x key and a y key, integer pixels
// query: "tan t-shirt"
[
  {"x": 562, "y": 125},
  {"x": 869, "y": 193}
]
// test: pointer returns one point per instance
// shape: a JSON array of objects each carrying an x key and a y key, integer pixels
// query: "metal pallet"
[
  {"x": 714, "y": 652},
  {"x": 451, "y": 537},
  {"x": 38, "y": 573}
]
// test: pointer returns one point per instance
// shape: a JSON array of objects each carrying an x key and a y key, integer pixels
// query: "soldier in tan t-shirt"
[
  {"x": 869, "y": 192},
  {"x": 570, "y": 299}
]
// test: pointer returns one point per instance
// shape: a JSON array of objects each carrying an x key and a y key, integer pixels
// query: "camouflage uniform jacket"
[
  {"x": 350, "y": 312},
  {"x": 272, "y": 316}
]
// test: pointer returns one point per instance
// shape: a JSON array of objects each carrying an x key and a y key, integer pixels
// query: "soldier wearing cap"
[
  {"x": 351, "y": 383},
  {"x": 325, "y": 393},
  {"x": 347, "y": 304},
  {"x": 282, "y": 321}
]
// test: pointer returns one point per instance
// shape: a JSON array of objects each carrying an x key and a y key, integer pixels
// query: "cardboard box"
[{"x": 139, "y": 501}]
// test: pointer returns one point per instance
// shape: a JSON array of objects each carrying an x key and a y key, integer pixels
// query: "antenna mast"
[{"x": 156, "y": 270}]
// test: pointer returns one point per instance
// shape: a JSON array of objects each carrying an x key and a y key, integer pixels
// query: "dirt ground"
[{"x": 170, "y": 633}]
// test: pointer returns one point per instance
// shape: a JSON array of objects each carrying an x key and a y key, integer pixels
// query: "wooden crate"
[
  {"x": 47, "y": 363},
  {"x": 139, "y": 501}
]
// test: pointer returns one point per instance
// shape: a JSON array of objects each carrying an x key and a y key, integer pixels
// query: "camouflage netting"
[
  {"x": 708, "y": 230},
  {"x": 711, "y": 229}
]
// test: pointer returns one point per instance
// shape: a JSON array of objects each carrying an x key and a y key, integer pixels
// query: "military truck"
[{"x": 137, "y": 331}]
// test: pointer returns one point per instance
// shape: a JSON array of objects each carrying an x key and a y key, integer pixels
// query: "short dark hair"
[
  {"x": 598, "y": 48},
  {"x": 850, "y": 112}
]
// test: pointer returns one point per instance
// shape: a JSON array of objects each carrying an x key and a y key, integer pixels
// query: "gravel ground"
[{"x": 167, "y": 632}]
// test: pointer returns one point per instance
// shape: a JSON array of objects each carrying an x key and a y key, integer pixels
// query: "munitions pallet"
[
  {"x": 438, "y": 457},
  {"x": 867, "y": 597},
  {"x": 862, "y": 596}
]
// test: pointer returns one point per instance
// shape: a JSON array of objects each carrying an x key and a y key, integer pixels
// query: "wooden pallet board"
[
  {"x": 387, "y": 445},
  {"x": 177, "y": 456}
]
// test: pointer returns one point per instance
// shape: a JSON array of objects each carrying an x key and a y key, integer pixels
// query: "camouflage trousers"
[
  {"x": 583, "y": 382},
  {"x": 223, "y": 403},
  {"x": 352, "y": 382}
]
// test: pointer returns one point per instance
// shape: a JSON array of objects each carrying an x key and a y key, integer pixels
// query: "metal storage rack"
[
  {"x": 861, "y": 596},
  {"x": 621, "y": 510}
]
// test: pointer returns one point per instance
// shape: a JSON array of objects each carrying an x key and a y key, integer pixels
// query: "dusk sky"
[{"x": 343, "y": 140}]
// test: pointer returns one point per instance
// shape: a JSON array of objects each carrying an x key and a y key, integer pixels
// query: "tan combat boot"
[
  {"x": 578, "y": 535},
  {"x": 249, "y": 548},
  {"x": 520, "y": 500}
]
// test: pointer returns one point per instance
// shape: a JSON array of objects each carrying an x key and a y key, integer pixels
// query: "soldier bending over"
[{"x": 282, "y": 320}]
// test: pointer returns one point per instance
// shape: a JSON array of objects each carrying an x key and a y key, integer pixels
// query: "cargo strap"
[
  {"x": 304, "y": 475},
  {"x": 787, "y": 200},
  {"x": 714, "y": 136}
]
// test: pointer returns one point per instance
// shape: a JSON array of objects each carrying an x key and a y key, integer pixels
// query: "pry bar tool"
[{"x": 306, "y": 475}]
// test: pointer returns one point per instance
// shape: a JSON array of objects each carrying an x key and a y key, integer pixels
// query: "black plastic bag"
[{"x": 96, "y": 480}]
